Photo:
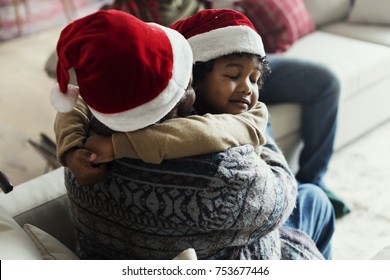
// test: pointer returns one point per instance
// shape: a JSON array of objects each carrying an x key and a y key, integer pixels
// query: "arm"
[
  {"x": 265, "y": 183},
  {"x": 280, "y": 177},
  {"x": 191, "y": 136},
  {"x": 71, "y": 129}
]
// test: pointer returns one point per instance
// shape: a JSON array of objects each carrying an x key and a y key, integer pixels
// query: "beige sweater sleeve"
[
  {"x": 71, "y": 129},
  {"x": 194, "y": 135}
]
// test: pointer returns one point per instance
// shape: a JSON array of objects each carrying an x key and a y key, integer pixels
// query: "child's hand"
[
  {"x": 80, "y": 162},
  {"x": 101, "y": 146}
]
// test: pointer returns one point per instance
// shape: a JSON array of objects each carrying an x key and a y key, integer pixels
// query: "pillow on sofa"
[
  {"x": 48, "y": 246},
  {"x": 370, "y": 11},
  {"x": 279, "y": 22},
  {"x": 14, "y": 243},
  {"x": 188, "y": 254}
]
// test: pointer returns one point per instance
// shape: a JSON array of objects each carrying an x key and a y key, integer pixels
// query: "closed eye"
[
  {"x": 255, "y": 77},
  {"x": 232, "y": 77}
]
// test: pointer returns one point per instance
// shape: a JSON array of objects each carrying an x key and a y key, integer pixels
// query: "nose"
[{"x": 245, "y": 87}]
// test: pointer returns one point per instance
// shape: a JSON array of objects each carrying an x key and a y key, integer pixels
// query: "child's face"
[{"x": 231, "y": 87}]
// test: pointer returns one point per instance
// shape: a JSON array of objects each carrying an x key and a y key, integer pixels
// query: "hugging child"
[
  {"x": 242, "y": 64},
  {"x": 147, "y": 211}
]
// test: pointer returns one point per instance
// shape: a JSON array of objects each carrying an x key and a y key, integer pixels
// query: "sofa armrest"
[
  {"x": 33, "y": 193},
  {"x": 43, "y": 203}
]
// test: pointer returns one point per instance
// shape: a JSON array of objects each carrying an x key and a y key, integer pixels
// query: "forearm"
[
  {"x": 70, "y": 129},
  {"x": 193, "y": 136}
]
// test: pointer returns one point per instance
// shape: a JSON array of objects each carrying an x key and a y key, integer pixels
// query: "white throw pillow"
[
  {"x": 14, "y": 243},
  {"x": 188, "y": 254},
  {"x": 48, "y": 246},
  {"x": 370, "y": 11}
]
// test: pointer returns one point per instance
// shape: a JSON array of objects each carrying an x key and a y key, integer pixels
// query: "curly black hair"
[{"x": 201, "y": 69}]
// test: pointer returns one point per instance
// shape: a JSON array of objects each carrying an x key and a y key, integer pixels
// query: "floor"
[
  {"x": 24, "y": 102},
  {"x": 359, "y": 173}
]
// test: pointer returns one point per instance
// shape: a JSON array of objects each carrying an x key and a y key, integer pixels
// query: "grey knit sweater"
[{"x": 227, "y": 205}]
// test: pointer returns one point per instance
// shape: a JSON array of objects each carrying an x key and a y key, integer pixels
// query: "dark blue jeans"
[
  {"x": 314, "y": 215},
  {"x": 317, "y": 90}
]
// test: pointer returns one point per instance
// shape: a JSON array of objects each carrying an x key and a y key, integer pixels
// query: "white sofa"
[
  {"x": 355, "y": 48},
  {"x": 353, "y": 40},
  {"x": 35, "y": 222},
  {"x": 359, "y": 54},
  {"x": 348, "y": 41}
]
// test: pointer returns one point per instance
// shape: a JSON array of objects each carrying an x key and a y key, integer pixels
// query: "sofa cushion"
[
  {"x": 48, "y": 246},
  {"x": 362, "y": 68},
  {"x": 370, "y": 11},
  {"x": 325, "y": 12},
  {"x": 358, "y": 64},
  {"x": 378, "y": 34},
  {"x": 286, "y": 131},
  {"x": 279, "y": 22}
]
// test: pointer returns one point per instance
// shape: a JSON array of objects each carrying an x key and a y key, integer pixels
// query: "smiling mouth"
[{"x": 243, "y": 101}]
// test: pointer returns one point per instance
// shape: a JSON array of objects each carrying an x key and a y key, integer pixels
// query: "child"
[
  {"x": 126, "y": 145},
  {"x": 173, "y": 215}
]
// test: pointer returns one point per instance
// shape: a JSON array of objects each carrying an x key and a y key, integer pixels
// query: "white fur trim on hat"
[
  {"x": 226, "y": 40},
  {"x": 154, "y": 110},
  {"x": 64, "y": 102}
]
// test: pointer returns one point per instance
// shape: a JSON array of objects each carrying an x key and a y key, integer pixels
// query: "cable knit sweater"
[{"x": 226, "y": 205}]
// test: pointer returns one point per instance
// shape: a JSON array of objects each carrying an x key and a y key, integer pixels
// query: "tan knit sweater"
[{"x": 175, "y": 138}]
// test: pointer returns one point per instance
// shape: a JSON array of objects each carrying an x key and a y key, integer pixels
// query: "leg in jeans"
[
  {"x": 317, "y": 90},
  {"x": 314, "y": 215}
]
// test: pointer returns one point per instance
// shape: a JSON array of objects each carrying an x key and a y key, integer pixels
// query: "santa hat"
[
  {"x": 217, "y": 32},
  {"x": 130, "y": 73}
]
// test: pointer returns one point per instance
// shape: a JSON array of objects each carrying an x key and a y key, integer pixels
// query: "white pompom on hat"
[
  {"x": 214, "y": 33},
  {"x": 130, "y": 73}
]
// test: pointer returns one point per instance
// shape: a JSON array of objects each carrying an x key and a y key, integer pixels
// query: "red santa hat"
[
  {"x": 130, "y": 73},
  {"x": 214, "y": 33}
]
